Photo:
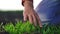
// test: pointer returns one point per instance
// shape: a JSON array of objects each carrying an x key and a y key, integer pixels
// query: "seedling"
[{"x": 27, "y": 28}]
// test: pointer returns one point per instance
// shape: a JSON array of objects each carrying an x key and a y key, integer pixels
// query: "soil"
[{"x": 4, "y": 33}]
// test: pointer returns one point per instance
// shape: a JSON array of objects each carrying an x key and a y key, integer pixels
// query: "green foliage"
[
  {"x": 52, "y": 29},
  {"x": 27, "y": 28},
  {"x": 20, "y": 28},
  {"x": 1, "y": 28}
]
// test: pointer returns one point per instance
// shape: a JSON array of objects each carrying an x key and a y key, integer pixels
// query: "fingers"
[
  {"x": 38, "y": 20},
  {"x": 30, "y": 19},
  {"x": 34, "y": 20},
  {"x": 40, "y": 23},
  {"x": 25, "y": 18}
]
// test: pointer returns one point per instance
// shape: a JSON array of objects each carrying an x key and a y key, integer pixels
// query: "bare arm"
[
  {"x": 30, "y": 13},
  {"x": 30, "y": 2}
]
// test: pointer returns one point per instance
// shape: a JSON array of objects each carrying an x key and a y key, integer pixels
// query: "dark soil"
[
  {"x": 4, "y": 33},
  {"x": 10, "y": 16}
]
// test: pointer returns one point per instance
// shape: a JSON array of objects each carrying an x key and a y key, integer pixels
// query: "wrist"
[
  {"x": 28, "y": 4},
  {"x": 23, "y": 1}
]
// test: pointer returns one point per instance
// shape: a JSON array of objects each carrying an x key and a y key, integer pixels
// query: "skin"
[{"x": 30, "y": 14}]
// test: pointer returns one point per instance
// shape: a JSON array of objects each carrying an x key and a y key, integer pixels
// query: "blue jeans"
[{"x": 49, "y": 11}]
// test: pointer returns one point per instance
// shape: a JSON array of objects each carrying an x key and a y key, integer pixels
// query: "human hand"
[{"x": 32, "y": 16}]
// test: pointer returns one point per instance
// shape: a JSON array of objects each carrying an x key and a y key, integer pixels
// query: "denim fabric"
[{"x": 49, "y": 11}]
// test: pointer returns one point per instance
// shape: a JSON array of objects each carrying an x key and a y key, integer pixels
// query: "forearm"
[{"x": 27, "y": 3}]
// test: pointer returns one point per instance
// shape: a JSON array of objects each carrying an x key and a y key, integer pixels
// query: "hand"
[{"x": 32, "y": 16}]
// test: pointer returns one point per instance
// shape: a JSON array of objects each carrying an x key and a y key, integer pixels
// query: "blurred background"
[
  {"x": 14, "y": 4},
  {"x": 11, "y": 10}
]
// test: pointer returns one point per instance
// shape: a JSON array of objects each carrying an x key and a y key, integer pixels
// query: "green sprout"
[{"x": 27, "y": 28}]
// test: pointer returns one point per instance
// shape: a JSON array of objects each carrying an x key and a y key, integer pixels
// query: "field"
[
  {"x": 10, "y": 16},
  {"x": 11, "y": 23}
]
